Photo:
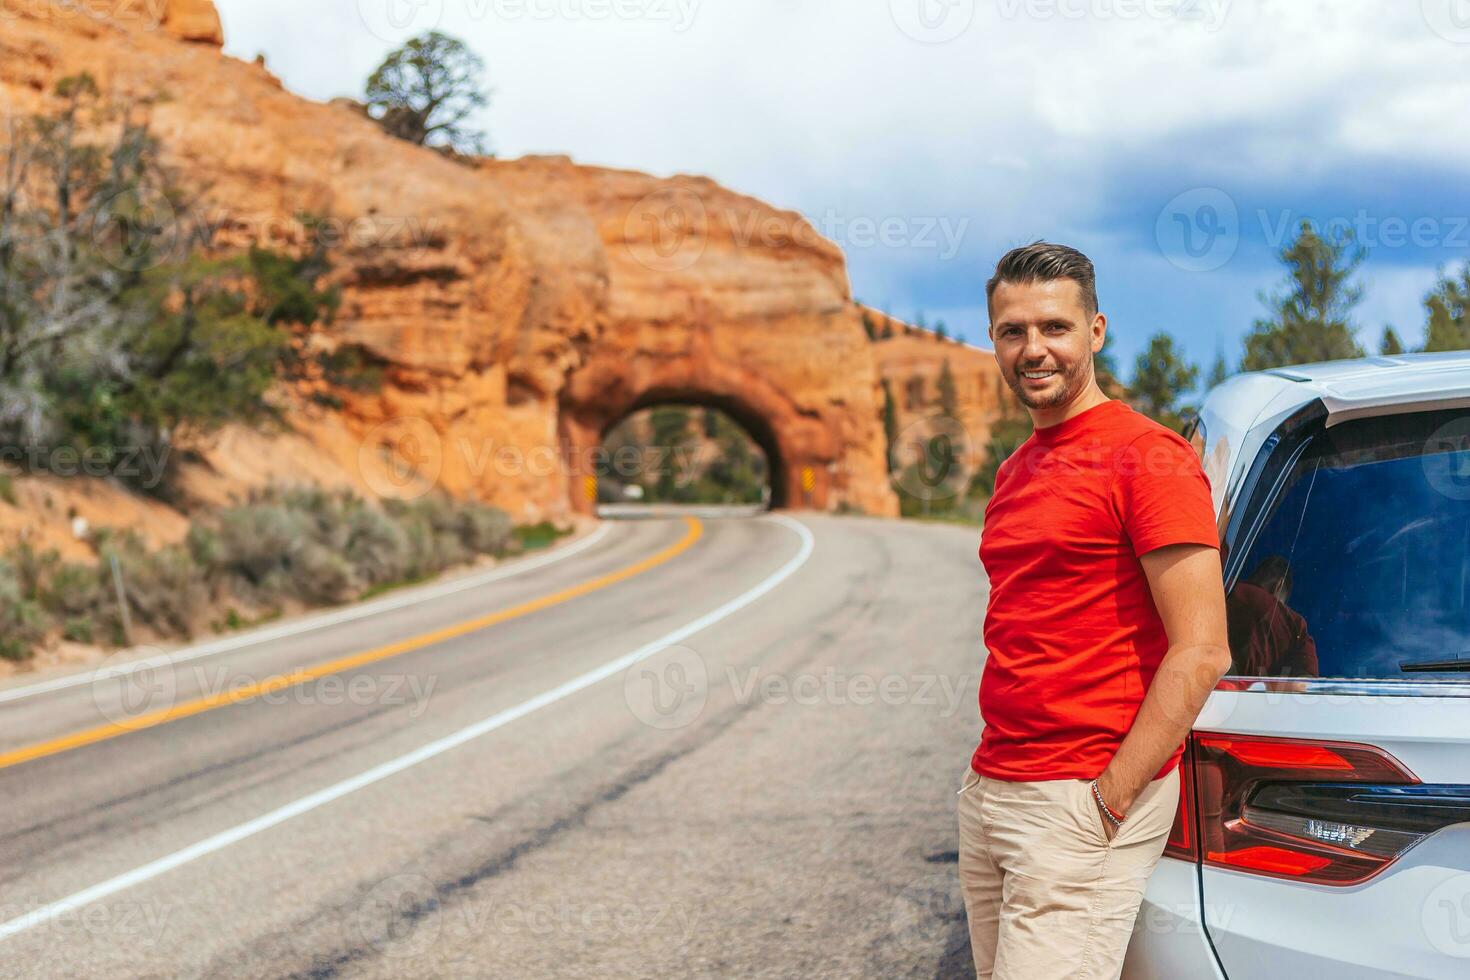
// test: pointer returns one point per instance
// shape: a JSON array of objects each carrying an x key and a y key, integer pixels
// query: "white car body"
[{"x": 1260, "y": 434}]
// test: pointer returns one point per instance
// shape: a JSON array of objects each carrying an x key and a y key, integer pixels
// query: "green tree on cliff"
[
  {"x": 1311, "y": 319},
  {"x": 890, "y": 424},
  {"x": 118, "y": 331},
  {"x": 426, "y": 91},
  {"x": 948, "y": 400}
]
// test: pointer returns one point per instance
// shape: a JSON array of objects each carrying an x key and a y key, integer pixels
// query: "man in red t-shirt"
[{"x": 1105, "y": 633}]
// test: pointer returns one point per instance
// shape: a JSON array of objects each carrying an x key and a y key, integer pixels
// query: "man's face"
[{"x": 1044, "y": 340}]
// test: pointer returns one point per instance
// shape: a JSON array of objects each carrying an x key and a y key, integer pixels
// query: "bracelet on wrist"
[{"x": 1115, "y": 817}]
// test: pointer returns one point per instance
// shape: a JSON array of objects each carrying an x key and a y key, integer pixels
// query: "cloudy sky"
[{"x": 1177, "y": 142}]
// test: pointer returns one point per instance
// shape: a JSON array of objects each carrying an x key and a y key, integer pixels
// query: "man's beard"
[{"x": 1074, "y": 379}]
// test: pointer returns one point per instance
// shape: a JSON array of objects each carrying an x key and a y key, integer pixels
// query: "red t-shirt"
[{"x": 1071, "y": 629}]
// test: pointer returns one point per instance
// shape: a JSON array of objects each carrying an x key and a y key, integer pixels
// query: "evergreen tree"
[
  {"x": 1219, "y": 371},
  {"x": 1105, "y": 366},
  {"x": 948, "y": 402},
  {"x": 1006, "y": 435},
  {"x": 890, "y": 423},
  {"x": 737, "y": 473},
  {"x": 1310, "y": 320},
  {"x": 941, "y": 331},
  {"x": 1449, "y": 313},
  {"x": 1390, "y": 344},
  {"x": 1160, "y": 375},
  {"x": 119, "y": 330},
  {"x": 670, "y": 433},
  {"x": 426, "y": 90}
]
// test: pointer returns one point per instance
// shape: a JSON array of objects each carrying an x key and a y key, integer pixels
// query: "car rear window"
[{"x": 1363, "y": 559}]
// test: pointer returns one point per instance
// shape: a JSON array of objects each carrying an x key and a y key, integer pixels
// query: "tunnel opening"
[{"x": 673, "y": 449}]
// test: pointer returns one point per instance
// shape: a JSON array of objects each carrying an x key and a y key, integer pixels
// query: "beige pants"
[{"x": 1047, "y": 894}]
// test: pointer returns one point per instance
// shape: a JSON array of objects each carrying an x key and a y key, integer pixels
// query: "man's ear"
[{"x": 1099, "y": 332}]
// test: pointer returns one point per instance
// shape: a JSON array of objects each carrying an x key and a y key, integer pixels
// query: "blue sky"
[{"x": 963, "y": 127}]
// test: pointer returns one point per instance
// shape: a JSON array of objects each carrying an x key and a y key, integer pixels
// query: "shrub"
[
  {"x": 164, "y": 588},
  {"x": 22, "y": 623},
  {"x": 78, "y": 630},
  {"x": 316, "y": 546}
]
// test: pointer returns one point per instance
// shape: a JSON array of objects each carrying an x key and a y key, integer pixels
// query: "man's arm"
[{"x": 1189, "y": 593}]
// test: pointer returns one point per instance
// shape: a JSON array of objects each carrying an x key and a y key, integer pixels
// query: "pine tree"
[
  {"x": 670, "y": 424},
  {"x": 1310, "y": 320},
  {"x": 941, "y": 331},
  {"x": 425, "y": 91},
  {"x": 1390, "y": 344},
  {"x": 1160, "y": 375},
  {"x": 1006, "y": 435},
  {"x": 1105, "y": 366},
  {"x": 890, "y": 423},
  {"x": 948, "y": 401},
  {"x": 1220, "y": 370},
  {"x": 1449, "y": 313}
]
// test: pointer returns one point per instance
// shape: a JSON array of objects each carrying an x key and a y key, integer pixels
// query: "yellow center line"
[{"x": 694, "y": 529}]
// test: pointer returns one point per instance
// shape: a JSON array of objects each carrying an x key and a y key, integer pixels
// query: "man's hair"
[{"x": 1046, "y": 262}]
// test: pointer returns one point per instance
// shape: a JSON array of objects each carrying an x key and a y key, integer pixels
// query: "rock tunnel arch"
[
  {"x": 757, "y": 428},
  {"x": 800, "y": 449}
]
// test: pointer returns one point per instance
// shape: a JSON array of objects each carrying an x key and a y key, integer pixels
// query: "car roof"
[
  {"x": 1342, "y": 377},
  {"x": 1349, "y": 388}
]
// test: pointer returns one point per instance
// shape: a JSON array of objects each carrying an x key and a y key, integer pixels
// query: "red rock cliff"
[{"x": 522, "y": 306}]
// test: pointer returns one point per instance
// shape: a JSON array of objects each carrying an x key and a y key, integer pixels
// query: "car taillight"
[
  {"x": 1181, "y": 843},
  {"x": 1332, "y": 813}
]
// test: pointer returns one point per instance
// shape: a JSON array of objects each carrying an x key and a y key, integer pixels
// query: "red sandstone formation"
[{"x": 521, "y": 307}]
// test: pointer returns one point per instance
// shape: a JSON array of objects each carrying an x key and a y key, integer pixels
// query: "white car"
[{"x": 1324, "y": 824}]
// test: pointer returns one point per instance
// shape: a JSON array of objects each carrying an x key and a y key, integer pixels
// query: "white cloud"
[{"x": 1031, "y": 122}]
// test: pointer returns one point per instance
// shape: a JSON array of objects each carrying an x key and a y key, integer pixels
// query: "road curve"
[{"x": 729, "y": 746}]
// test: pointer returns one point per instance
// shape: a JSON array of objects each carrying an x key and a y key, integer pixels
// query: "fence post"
[{"x": 122, "y": 600}]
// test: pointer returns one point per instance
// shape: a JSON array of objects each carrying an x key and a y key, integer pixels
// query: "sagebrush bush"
[
  {"x": 75, "y": 590},
  {"x": 305, "y": 544},
  {"x": 377, "y": 546},
  {"x": 22, "y": 622},
  {"x": 165, "y": 591}
]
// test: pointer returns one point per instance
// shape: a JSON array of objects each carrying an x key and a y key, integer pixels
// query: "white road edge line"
[
  {"x": 308, "y": 624},
  {"x": 322, "y": 797}
]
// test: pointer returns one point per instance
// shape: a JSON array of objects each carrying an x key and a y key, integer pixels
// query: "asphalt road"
[{"x": 696, "y": 746}]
